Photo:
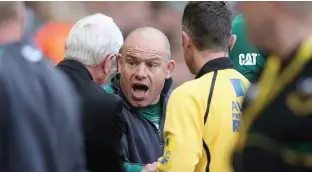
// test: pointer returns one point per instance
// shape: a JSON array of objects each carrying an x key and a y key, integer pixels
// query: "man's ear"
[
  {"x": 185, "y": 40},
  {"x": 232, "y": 41},
  {"x": 107, "y": 64},
  {"x": 170, "y": 67},
  {"x": 119, "y": 61}
]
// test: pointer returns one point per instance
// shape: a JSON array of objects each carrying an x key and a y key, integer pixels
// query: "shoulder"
[
  {"x": 193, "y": 90},
  {"x": 238, "y": 20},
  {"x": 230, "y": 78},
  {"x": 240, "y": 76},
  {"x": 112, "y": 97},
  {"x": 25, "y": 72},
  {"x": 188, "y": 99},
  {"x": 25, "y": 49},
  {"x": 107, "y": 100},
  {"x": 242, "y": 44},
  {"x": 110, "y": 94}
]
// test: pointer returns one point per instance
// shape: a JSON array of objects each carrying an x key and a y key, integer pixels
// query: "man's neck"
[
  {"x": 10, "y": 32},
  {"x": 202, "y": 57},
  {"x": 97, "y": 74}
]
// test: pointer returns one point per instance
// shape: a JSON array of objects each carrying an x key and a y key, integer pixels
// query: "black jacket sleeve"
[{"x": 103, "y": 134}]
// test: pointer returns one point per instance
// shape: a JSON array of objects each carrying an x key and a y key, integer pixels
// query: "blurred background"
[{"x": 49, "y": 24}]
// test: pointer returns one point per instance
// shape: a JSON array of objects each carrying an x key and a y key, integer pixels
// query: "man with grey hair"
[
  {"x": 94, "y": 41},
  {"x": 39, "y": 114},
  {"x": 277, "y": 127},
  {"x": 90, "y": 52},
  {"x": 144, "y": 84}
]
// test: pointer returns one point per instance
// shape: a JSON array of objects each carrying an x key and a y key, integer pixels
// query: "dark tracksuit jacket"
[
  {"x": 142, "y": 141},
  {"x": 277, "y": 127},
  {"x": 39, "y": 115}
]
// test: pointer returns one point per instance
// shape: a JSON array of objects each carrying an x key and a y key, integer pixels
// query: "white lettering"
[
  {"x": 254, "y": 58},
  {"x": 241, "y": 59},
  {"x": 247, "y": 59}
]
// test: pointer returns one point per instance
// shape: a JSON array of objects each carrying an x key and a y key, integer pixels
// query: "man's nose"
[{"x": 141, "y": 72}]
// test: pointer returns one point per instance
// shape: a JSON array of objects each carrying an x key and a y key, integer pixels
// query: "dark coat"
[
  {"x": 39, "y": 115},
  {"x": 101, "y": 120}
]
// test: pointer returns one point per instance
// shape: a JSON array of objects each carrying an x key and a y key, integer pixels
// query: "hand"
[{"x": 150, "y": 168}]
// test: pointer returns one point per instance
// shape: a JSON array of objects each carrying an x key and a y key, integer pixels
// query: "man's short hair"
[
  {"x": 93, "y": 38},
  {"x": 209, "y": 24}
]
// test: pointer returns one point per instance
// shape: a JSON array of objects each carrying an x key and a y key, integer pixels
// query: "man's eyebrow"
[
  {"x": 154, "y": 59},
  {"x": 130, "y": 56}
]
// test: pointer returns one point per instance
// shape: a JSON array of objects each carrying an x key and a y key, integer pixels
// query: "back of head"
[
  {"x": 12, "y": 15},
  {"x": 92, "y": 39},
  {"x": 11, "y": 10},
  {"x": 209, "y": 24}
]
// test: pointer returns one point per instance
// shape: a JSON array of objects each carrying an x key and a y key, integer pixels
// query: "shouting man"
[{"x": 144, "y": 83}]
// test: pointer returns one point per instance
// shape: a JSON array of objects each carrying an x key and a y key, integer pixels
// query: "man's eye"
[
  {"x": 131, "y": 63},
  {"x": 152, "y": 65}
]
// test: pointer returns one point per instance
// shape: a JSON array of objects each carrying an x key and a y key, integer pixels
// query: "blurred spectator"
[
  {"x": 51, "y": 38},
  {"x": 40, "y": 118},
  {"x": 30, "y": 23},
  {"x": 234, "y": 8},
  {"x": 58, "y": 10},
  {"x": 247, "y": 59},
  {"x": 277, "y": 127}
]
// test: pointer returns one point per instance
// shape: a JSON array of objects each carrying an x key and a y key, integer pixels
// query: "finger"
[{"x": 148, "y": 166}]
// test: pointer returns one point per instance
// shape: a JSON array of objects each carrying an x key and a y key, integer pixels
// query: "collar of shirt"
[
  {"x": 76, "y": 66},
  {"x": 214, "y": 65}
]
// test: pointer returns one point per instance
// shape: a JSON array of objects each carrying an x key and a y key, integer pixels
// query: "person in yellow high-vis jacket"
[{"x": 203, "y": 115}]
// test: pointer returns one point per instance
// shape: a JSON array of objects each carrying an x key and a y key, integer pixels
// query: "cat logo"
[{"x": 248, "y": 59}]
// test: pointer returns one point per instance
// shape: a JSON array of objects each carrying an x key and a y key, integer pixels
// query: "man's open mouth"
[{"x": 139, "y": 90}]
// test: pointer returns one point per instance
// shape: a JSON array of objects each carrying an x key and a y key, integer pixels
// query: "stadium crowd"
[{"x": 109, "y": 91}]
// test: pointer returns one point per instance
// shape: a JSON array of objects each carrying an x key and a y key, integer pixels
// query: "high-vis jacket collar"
[{"x": 216, "y": 64}]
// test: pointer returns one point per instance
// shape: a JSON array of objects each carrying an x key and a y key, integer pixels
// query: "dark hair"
[{"x": 209, "y": 24}]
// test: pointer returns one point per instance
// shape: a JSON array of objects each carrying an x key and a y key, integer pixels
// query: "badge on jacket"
[
  {"x": 300, "y": 101},
  {"x": 164, "y": 163}
]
